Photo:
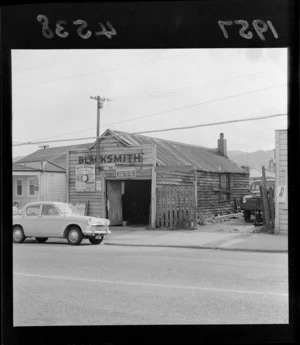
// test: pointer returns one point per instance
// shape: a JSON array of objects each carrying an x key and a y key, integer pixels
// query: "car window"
[
  {"x": 49, "y": 210},
  {"x": 255, "y": 186},
  {"x": 33, "y": 210},
  {"x": 68, "y": 209}
]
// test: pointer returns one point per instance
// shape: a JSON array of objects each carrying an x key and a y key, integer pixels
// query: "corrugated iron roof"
[
  {"x": 37, "y": 166},
  {"x": 172, "y": 153},
  {"x": 21, "y": 167},
  {"x": 56, "y": 155},
  {"x": 169, "y": 153}
]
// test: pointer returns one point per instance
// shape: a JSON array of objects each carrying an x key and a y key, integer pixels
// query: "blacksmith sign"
[
  {"x": 85, "y": 178},
  {"x": 112, "y": 158}
]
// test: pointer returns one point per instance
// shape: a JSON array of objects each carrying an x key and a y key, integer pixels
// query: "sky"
[{"x": 149, "y": 89}]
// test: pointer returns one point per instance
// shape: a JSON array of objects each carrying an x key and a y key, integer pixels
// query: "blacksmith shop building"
[{"x": 137, "y": 179}]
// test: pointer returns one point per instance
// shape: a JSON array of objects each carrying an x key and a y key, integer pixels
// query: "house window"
[
  {"x": 224, "y": 187},
  {"x": 19, "y": 187},
  {"x": 31, "y": 190}
]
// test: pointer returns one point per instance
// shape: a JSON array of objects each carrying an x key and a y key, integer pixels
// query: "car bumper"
[{"x": 96, "y": 232}]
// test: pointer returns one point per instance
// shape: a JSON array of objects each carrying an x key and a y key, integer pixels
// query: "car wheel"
[
  {"x": 74, "y": 236},
  {"x": 18, "y": 234},
  {"x": 94, "y": 240},
  {"x": 41, "y": 239},
  {"x": 247, "y": 216}
]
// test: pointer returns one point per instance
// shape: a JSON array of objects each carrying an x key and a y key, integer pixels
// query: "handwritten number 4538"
[
  {"x": 60, "y": 30},
  {"x": 259, "y": 26}
]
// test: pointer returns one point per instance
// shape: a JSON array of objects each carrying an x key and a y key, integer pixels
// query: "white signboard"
[
  {"x": 282, "y": 193},
  {"x": 85, "y": 178},
  {"x": 125, "y": 172}
]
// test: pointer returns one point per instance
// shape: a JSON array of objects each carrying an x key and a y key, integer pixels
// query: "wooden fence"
[
  {"x": 267, "y": 203},
  {"x": 175, "y": 207}
]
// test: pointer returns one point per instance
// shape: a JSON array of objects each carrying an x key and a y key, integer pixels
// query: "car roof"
[{"x": 44, "y": 202}]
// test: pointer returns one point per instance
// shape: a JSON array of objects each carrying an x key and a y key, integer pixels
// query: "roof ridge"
[{"x": 165, "y": 140}]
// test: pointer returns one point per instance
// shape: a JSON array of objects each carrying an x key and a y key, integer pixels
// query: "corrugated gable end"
[{"x": 51, "y": 167}]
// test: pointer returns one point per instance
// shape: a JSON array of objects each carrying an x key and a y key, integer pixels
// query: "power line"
[
  {"x": 194, "y": 105},
  {"x": 211, "y": 124},
  {"x": 92, "y": 128},
  {"x": 52, "y": 141},
  {"x": 175, "y": 109},
  {"x": 163, "y": 130},
  {"x": 199, "y": 86},
  {"x": 104, "y": 70}
]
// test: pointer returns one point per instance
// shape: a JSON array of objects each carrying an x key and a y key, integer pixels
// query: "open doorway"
[
  {"x": 136, "y": 201},
  {"x": 129, "y": 201}
]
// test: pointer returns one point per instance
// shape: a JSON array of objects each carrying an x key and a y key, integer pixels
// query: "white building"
[
  {"x": 38, "y": 181},
  {"x": 281, "y": 182}
]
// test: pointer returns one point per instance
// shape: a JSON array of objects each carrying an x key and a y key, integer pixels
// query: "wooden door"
[{"x": 114, "y": 202}]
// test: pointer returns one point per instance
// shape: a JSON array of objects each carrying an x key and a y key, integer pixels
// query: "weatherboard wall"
[
  {"x": 209, "y": 192},
  {"x": 281, "y": 182},
  {"x": 116, "y": 162}
]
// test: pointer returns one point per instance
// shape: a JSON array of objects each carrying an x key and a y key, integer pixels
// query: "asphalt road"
[{"x": 59, "y": 284}]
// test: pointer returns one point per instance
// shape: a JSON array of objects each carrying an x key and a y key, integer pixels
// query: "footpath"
[{"x": 234, "y": 234}]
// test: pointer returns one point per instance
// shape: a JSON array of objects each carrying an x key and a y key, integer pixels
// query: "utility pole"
[{"x": 99, "y": 106}]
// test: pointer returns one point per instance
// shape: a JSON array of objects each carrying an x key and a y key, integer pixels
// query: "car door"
[
  {"x": 49, "y": 223},
  {"x": 31, "y": 217}
]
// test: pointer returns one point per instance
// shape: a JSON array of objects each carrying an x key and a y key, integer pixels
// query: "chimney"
[{"x": 222, "y": 145}]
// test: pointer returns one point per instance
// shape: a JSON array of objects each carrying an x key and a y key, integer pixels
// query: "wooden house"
[{"x": 143, "y": 180}]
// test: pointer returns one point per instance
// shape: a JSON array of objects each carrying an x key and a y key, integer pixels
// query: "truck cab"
[{"x": 251, "y": 204}]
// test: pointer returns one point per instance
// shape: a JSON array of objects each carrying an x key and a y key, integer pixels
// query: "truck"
[{"x": 251, "y": 204}]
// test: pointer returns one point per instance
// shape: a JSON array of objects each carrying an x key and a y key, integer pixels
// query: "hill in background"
[{"x": 255, "y": 160}]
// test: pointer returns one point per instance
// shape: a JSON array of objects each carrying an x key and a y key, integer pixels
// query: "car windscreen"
[
  {"x": 255, "y": 187},
  {"x": 68, "y": 209}
]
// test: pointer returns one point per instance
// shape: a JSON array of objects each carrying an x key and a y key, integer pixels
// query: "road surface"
[{"x": 58, "y": 284}]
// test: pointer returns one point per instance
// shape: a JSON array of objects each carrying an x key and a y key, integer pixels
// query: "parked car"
[
  {"x": 251, "y": 204},
  {"x": 44, "y": 220}
]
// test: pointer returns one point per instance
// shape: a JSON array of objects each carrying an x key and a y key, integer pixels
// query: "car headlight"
[{"x": 244, "y": 200}]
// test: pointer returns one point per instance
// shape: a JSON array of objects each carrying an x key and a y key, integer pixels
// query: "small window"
[
  {"x": 49, "y": 210},
  {"x": 19, "y": 187},
  {"x": 32, "y": 211},
  {"x": 31, "y": 187},
  {"x": 224, "y": 187}
]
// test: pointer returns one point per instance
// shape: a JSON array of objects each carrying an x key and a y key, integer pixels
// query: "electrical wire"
[
  {"x": 175, "y": 109},
  {"x": 160, "y": 130},
  {"x": 181, "y": 92},
  {"x": 104, "y": 70},
  {"x": 194, "y": 105},
  {"x": 210, "y": 124},
  {"x": 195, "y": 88}
]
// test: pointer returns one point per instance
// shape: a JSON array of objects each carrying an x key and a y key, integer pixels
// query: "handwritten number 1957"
[
  {"x": 82, "y": 31},
  {"x": 259, "y": 26}
]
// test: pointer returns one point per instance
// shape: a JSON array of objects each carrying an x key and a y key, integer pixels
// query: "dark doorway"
[{"x": 136, "y": 200}]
